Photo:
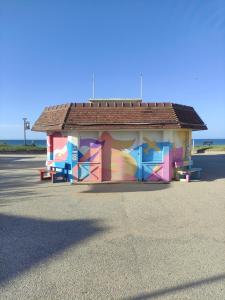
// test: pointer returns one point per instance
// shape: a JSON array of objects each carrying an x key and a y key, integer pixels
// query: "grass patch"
[{"x": 21, "y": 148}]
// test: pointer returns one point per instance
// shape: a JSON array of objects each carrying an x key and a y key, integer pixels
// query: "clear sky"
[{"x": 49, "y": 49}]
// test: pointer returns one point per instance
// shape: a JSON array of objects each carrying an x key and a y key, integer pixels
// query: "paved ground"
[{"x": 114, "y": 241}]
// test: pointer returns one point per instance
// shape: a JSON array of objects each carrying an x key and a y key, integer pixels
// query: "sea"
[{"x": 42, "y": 143}]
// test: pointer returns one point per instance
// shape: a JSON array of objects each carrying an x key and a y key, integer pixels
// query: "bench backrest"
[
  {"x": 183, "y": 163},
  {"x": 59, "y": 164}
]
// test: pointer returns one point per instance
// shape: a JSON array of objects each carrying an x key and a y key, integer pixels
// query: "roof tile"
[{"x": 121, "y": 115}]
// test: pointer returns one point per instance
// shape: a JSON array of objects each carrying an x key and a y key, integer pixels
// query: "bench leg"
[
  {"x": 187, "y": 177},
  {"x": 41, "y": 175},
  {"x": 53, "y": 178}
]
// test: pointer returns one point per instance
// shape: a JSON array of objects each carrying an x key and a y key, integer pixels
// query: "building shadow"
[
  {"x": 179, "y": 288},
  {"x": 20, "y": 162},
  {"x": 28, "y": 179},
  {"x": 18, "y": 178},
  {"x": 124, "y": 187},
  {"x": 213, "y": 166},
  {"x": 25, "y": 242}
]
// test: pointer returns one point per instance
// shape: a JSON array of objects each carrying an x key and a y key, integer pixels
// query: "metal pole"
[
  {"x": 93, "y": 86},
  {"x": 141, "y": 86},
  {"x": 24, "y": 131}
]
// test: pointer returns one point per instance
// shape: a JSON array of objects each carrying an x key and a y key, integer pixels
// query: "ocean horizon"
[{"x": 43, "y": 142}]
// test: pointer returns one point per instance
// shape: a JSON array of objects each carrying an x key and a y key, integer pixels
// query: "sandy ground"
[{"x": 111, "y": 241}]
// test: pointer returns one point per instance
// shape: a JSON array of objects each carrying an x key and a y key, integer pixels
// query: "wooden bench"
[
  {"x": 183, "y": 163},
  {"x": 184, "y": 169},
  {"x": 196, "y": 172},
  {"x": 44, "y": 174},
  {"x": 57, "y": 175},
  {"x": 53, "y": 173}
]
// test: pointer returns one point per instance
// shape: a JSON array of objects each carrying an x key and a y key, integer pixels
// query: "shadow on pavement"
[
  {"x": 25, "y": 242},
  {"x": 17, "y": 177},
  {"x": 17, "y": 162},
  {"x": 179, "y": 288},
  {"x": 15, "y": 186},
  {"x": 8, "y": 181},
  {"x": 125, "y": 187},
  {"x": 212, "y": 169},
  {"x": 213, "y": 166}
]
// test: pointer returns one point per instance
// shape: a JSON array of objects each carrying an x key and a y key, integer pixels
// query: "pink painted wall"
[{"x": 117, "y": 161}]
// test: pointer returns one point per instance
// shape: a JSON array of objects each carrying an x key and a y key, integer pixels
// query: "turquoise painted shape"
[
  {"x": 135, "y": 153},
  {"x": 72, "y": 159},
  {"x": 83, "y": 171},
  {"x": 148, "y": 172},
  {"x": 153, "y": 155}
]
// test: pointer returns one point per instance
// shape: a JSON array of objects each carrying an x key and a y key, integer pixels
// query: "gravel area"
[{"x": 111, "y": 241}]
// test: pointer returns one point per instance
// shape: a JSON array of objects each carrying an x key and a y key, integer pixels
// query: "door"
[
  {"x": 89, "y": 159},
  {"x": 156, "y": 161}
]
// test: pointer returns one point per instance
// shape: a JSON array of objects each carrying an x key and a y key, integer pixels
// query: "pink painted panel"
[
  {"x": 118, "y": 158},
  {"x": 60, "y": 151}
]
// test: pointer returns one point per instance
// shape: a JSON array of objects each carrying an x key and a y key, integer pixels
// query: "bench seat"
[
  {"x": 58, "y": 171},
  {"x": 188, "y": 174},
  {"x": 44, "y": 174}
]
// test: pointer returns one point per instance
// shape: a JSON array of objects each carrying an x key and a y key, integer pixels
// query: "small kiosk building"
[{"x": 119, "y": 139}]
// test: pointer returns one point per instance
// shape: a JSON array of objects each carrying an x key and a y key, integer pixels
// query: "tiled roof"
[{"x": 103, "y": 115}]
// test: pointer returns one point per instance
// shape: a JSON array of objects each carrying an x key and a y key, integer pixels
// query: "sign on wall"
[{"x": 74, "y": 153}]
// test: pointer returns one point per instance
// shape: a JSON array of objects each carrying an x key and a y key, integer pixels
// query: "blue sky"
[{"x": 49, "y": 50}]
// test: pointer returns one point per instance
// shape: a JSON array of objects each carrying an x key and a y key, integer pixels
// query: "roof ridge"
[
  {"x": 58, "y": 106},
  {"x": 182, "y": 106},
  {"x": 66, "y": 115},
  {"x": 113, "y": 103},
  {"x": 175, "y": 114},
  {"x": 126, "y": 104}
]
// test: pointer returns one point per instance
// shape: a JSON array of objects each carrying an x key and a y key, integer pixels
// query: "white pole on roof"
[
  {"x": 141, "y": 85},
  {"x": 93, "y": 85}
]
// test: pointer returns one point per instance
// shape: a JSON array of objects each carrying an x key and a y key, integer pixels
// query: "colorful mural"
[
  {"x": 57, "y": 148},
  {"x": 49, "y": 148},
  {"x": 116, "y": 156},
  {"x": 156, "y": 160},
  {"x": 119, "y": 157},
  {"x": 181, "y": 150}
]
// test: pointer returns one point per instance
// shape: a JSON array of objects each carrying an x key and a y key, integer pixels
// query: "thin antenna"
[
  {"x": 93, "y": 85},
  {"x": 141, "y": 85}
]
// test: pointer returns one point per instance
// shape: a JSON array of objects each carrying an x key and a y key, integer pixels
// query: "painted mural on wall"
[
  {"x": 181, "y": 148},
  {"x": 89, "y": 160},
  {"x": 118, "y": 156},
  {"x": 156, "y": 160},
  {"x": 57, "y": 148}
]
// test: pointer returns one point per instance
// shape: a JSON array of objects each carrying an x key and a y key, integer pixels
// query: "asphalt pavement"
[{"x": 111, "y": 241}]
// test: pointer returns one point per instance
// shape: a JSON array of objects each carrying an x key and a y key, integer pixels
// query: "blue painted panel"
[
  {"x": 135, "y": 153},
  {"x": 152, "y": 154},
  {"x": 83, "y": 171},
  {"x": 148, "y": 171},
  {"x": 59, "y": 164}
]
